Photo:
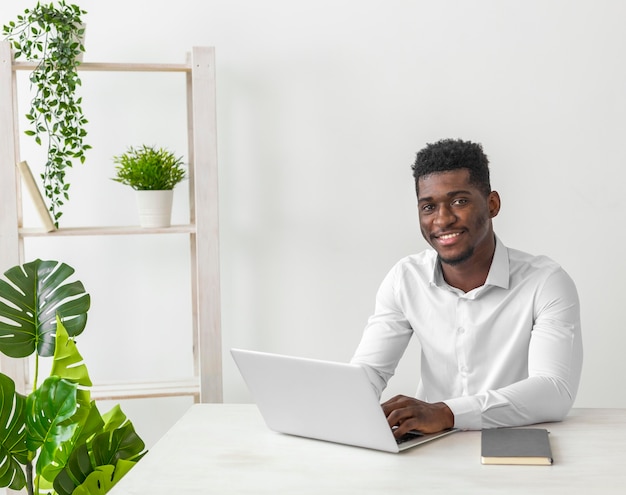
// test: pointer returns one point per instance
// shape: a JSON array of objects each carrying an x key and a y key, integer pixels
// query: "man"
[{"x": 499, "y": 329}]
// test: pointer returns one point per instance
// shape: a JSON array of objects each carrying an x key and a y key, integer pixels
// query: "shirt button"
[
  {"x": 461, "y": 330},
  {"x": 463, "y": 370}
]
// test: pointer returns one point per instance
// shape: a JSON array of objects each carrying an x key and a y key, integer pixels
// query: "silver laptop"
[{"x": 320, "y": 399}]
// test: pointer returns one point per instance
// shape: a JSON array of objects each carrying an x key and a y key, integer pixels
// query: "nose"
[{"x": 444, "y": 217}]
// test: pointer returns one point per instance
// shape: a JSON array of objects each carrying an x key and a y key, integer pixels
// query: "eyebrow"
[{"x": 451, "y": 194}]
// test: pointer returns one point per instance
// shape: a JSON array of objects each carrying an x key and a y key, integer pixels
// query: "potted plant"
[
  {"x": 56, "y": 430},
  {"x": 51, "y": 35},
  {"x": 153, "y": 173}
]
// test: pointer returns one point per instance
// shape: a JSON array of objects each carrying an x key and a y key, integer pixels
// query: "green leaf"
[
  {"x": 99, "y": 482},
  {"x": 107, "y": 448},
  {"x": 121, "y": 443},
  {"x": 29, "y": 305},
  {"x": 47, "y": 410},
  {"x": 13, "y": 451},
  {"x": 89, "y": 422},
  {"x": 68, "y": 363},
  {"x": 113, "y": 419},
  {"x": 104, "y": 478}
]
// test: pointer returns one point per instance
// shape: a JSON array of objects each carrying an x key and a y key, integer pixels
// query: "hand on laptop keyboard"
[
  {"x": 409, "y": 414},
  {"x": 409, "y": 435}
]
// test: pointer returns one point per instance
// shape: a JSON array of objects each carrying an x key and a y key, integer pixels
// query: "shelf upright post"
[
  {"x": 10, "y": 212},
  {"x": 203, "y": 183}
]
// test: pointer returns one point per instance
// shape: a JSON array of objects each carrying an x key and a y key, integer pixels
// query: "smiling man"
[{"x": 499, "y": 329}]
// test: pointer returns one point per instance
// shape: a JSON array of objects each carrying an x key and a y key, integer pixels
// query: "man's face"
[{"x": 455, "y": 216}]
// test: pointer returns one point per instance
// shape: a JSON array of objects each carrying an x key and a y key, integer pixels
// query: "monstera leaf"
[
  {"x": 68, "y": 363},
  {"x": 102, "y": 479},
  {"x": 109, "y": 448},
  {"x": 29, "y": 304},
  {"x": 13, "y": 451},
  {"x": 86, "y": 428},
  {"x": 47, "y": 410},
  {"x": 61, "y": 414}
]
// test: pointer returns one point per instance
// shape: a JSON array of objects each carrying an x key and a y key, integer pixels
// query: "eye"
[
  {"x": 460, "y": 202},
  {"x": 427, "y": 208}
]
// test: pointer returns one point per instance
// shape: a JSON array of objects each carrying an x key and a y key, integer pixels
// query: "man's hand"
[{"x": 409, "y": 414}]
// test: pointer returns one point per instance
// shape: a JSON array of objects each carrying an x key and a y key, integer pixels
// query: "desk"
[{"x": 226, "y": 449}]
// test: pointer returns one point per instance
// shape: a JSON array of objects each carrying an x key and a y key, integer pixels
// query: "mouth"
[{"x": 447, "y": 238}]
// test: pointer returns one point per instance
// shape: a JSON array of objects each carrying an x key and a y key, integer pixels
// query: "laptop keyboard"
[{"x": 411, "y": 435}]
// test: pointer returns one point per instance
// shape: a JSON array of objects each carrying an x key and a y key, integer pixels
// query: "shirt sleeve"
[
  {"x": 385, "y": 337},
  {"x": 554, "y": 367}
]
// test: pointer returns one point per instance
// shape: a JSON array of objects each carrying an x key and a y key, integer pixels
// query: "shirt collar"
[{"x": 498, "y": 272}]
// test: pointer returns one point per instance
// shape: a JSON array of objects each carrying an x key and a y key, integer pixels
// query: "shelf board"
[
  {"x": 110, "y": 230},
  {"x": 145, "y": 390},
  {"x": 115, "y": 67}
]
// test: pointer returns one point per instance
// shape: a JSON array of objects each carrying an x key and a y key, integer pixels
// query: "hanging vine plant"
[{"x": 51, "y": 35}]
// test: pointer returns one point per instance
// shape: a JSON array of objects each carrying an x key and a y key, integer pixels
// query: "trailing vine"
[{"x": 51, "y": 35}]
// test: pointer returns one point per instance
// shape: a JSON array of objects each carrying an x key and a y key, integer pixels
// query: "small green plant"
[
  {"x": 50, "y": 35},
  {"x": 56, "y": 430},
  {"x": 149, "y": 169}
]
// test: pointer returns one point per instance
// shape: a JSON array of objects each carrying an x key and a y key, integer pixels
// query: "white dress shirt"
[{"x": 508, "y": 353}]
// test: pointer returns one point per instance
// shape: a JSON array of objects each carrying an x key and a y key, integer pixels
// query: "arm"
[
  {"x": 384, "y": 341},
  {"x": 554, "y": 367},
  {"x": 385, "y": 338}
]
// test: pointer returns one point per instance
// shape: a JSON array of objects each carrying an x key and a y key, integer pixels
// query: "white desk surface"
[{"x": 226, "y": 448}]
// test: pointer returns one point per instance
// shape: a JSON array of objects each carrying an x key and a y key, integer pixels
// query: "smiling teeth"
[{"x": 448, "y": 236}]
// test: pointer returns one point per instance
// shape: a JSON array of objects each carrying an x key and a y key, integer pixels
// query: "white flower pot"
[{"x": 155, "y": 208}]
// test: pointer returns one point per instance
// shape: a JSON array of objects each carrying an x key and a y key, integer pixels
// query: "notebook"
[
  {"x": 530, "y": 446},
  {"x": 318, "y": 399}
]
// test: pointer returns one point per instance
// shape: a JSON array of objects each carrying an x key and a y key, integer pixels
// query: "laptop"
[{"x": 323, "y": 400}]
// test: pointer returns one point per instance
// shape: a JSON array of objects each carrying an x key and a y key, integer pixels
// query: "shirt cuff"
[{"x": 467, "y": 412}]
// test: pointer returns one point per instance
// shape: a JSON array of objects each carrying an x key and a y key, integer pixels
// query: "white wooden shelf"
[
  {"x": 115, "y": 67},
  {"x": 144, "y": 390},
  {"x": 107, "y": 230},
  {"x": 202, "y": 230}
]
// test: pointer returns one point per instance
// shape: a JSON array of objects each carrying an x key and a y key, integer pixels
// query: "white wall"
[{"x": 321, "y": 108}]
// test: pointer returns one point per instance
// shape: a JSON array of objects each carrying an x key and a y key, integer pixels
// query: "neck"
[{"x": 471, "y": 273}]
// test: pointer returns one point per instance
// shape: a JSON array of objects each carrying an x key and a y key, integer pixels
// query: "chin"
[{"x": 458, "y": 259}]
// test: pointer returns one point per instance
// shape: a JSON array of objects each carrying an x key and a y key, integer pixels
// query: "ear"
[{"x": 493, "y": 201}]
